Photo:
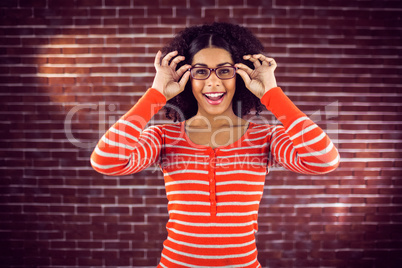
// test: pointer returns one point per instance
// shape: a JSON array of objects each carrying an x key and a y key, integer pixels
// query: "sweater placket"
[{"x": 212, "y": 180}]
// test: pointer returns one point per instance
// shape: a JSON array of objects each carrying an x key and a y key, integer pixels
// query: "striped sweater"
[{"x": 213, "y": 194}]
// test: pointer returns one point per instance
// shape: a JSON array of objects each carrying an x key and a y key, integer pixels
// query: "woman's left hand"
[{"x": 260, "y": 79}]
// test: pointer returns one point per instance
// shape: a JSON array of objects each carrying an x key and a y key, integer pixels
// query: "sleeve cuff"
[
  {"x": 281, "y": 106},
  {"x": 146, "y": 107},
  {"x": 155, "y": 96}
]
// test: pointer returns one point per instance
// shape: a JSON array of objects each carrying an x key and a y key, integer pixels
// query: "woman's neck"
[{"x": 201, "y": 120}]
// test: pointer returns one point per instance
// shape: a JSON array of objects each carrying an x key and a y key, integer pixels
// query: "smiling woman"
[
  {"x": 213, "y": 94},
  {"x": 237, "y": 42},
  {"x": 214, "y": 162}
]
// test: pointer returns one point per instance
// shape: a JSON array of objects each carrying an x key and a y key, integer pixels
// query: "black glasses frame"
[{"x": 213, "y": 70}]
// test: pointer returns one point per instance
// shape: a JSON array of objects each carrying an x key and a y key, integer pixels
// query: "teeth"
[{"x": 214, "y": 95}]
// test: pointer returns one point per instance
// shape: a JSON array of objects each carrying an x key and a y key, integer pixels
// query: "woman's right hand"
[{"x": 167, "y": 80}]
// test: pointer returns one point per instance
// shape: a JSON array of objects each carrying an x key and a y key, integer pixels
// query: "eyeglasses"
[{"x": 202, "y": 73}]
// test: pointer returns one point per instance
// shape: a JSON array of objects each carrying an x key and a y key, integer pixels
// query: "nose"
[{"x": 213, "y": 79}]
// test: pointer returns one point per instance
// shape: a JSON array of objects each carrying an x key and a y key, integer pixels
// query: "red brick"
[
  {"x": 91, "y": 3},
  {"x": 168, "y": 12},
  {"x": 114, "y": 21},
  {"x": 33, "y": 3},
  {"x": 98, "y": 41},
  {"x": 192, "y": 12},
  {"x": 173, "y": 2},
  {"x": 90, "y": 80},
  {"x": 337, "y": 227},
  {"x": 121, "y": 40},
  {"x": 350, "y": 254},
  {"x": 336, "y": 210},
  {"x": 51, "y": 70},
  {"x": 375, "y": 181},
  {"x": 22, "y": 70},
  {"x": 131, "y": 12},
  {"x": 77, "y": 70},
  {"x": 216, "y": 12},
  {"x": 346, "y": 219},
  {"x": 61, "y": 60},
  {"x": 90, "y": 262},
  {"x": 70, "y": 50},
  {"x": 104, "y": 70},
  {"x": 102, "y": 12},
  {"x": 343, "y": 191},
  {"x": 135, "y": 21},
  {"x": 102, "y": 31},
  {"x": 378, "y": 218},
  {"x": 117, "y": 210},
  {"x": 309, "y": 191},
  {"x": 159, "y": 30},
  {"x": 238, "y": 12},
  {"x": 117, "y": 3},
  {"x": 378, "y": 200},
  {"x": 351, "y": 199},
  {"x": 323, "y": 218},
  {"x": 364, "y": 209}
]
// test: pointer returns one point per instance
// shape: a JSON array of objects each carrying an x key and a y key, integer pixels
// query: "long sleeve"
[
  {"x": 126, "y": 147},
  {"x": 300, "y": 145}
]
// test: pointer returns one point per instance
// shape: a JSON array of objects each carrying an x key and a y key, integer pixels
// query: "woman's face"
[{"x": 214, "y": 95}]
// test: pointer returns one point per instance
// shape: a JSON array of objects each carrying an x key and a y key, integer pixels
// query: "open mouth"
[{"x": 214, "y": 98}]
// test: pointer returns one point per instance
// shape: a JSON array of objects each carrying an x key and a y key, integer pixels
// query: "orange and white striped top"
[{"x": 213, "y": 194}]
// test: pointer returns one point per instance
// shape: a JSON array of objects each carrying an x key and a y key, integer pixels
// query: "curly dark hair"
[{"x": 235, "y": 39}]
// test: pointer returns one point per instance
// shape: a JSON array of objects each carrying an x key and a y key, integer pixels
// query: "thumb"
[
  {"x": 183, "y": 80},
  {"x": 246, "y": 78}
]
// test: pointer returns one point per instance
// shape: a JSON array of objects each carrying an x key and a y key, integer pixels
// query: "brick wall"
[{"x": 70, "y": 68}]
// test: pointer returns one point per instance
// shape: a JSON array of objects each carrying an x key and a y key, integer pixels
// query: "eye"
[
  {"x": 201, "y": 71},
  {"x": 224, "y": 70}
]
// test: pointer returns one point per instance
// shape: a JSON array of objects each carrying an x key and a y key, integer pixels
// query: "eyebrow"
[{"x": 205, "y": 65}]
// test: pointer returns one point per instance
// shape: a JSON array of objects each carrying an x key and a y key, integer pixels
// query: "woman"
[{"x": 214, "y": 162}]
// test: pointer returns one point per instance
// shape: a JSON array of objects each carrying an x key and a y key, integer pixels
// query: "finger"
[
  {"x": 157, "y": 61},
  {"x": 254, "y": 60},
  {"x": 184, "y": 79},
  {"x": 244, "y": 75},
  {"x": 182, "y": 70},
  {"x": 262, "y": 58},
  {"x": 176, "y": 61},
  {"x": 245, "y": 68},
  {"x": 271, "y": 62},
  {"x": 168, "y": 57}
]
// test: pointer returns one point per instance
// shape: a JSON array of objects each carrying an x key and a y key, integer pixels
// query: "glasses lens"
[
  {"x": 225, "y": 72},
  {"x": 199, "y": 73},
  {"x": 202, "y": 73}
]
